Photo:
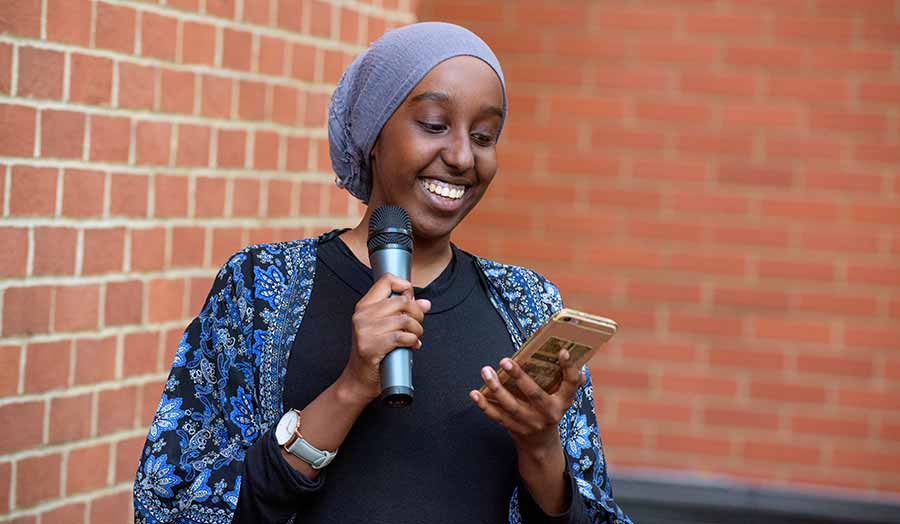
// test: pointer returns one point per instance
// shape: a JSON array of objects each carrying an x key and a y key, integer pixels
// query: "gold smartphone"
[{"x": 581, "y": 334}]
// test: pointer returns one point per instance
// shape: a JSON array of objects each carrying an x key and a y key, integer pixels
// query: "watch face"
[{"x": 286, "y": 427}]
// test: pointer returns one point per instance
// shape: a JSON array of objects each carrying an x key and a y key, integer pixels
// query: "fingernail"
[
  {"x": 485, "y": 373},
  {"x": 506, "y": 364},
  {"x": 474, "y": 396}
]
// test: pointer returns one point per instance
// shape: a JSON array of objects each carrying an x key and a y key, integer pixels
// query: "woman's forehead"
[{"x": 461, "y": 77}]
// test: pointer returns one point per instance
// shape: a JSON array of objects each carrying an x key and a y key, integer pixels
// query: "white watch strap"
[{"x": 310, "y": 454}]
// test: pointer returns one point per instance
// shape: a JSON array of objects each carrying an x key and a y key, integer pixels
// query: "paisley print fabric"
[{"x": 224, "y": 389}]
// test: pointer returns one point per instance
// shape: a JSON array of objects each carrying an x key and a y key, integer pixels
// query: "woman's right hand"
[{"x": 380, "y": 324}]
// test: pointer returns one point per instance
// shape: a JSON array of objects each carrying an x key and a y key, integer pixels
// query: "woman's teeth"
[{"x": 453, "y": 192}]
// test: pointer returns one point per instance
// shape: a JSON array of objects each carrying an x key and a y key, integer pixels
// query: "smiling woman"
[{"x": 273, "y": 384}]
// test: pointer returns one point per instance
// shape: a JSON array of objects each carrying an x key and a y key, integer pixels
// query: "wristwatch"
[{"x": 288, "y": 436}]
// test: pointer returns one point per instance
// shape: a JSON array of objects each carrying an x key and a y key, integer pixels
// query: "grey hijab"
[{"x": 378, "y": 81}]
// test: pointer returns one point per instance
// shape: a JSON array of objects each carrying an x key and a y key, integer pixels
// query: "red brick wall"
[
  {"x": 721, "y": 177},
  {"x": 140, "y": 144}
]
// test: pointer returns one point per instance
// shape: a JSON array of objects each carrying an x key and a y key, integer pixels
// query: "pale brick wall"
[{"x": 141, "y": 143}]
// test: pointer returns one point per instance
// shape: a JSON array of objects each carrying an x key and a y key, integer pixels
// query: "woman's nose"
[{"x": 458, "y": 154}]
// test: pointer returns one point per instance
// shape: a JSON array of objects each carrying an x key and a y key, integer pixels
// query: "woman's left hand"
[{"x": 532, "y": 418}]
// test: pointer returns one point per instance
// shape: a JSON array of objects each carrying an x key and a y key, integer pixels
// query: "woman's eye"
[
  {"x": 433, "y": 128},
  {"x": 482, "y": 139}
]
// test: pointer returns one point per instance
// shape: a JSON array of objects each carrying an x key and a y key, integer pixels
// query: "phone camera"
[{"x": 567, "y": 319}]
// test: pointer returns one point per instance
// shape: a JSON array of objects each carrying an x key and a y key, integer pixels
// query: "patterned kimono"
[{"x": 225, "y": 387}]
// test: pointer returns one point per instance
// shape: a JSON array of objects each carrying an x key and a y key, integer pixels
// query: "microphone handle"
[{"x": 396, "y": 368}]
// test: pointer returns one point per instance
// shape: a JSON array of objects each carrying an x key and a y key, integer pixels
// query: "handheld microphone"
[{"x": 390, "y": 251}]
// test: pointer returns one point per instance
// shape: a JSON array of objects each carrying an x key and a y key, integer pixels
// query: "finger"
[
  {"x": 573, "y": 378},
  {"x": 384, "y": 287},
  {"x": 400, "y": 339},
  {"x": 494, "y": 413},
  {"x": 403, "y": 322},
  {"x": 503, "y": 397},
  {"x": 424, "y": 304},
  {"x": 526, "y": 385}
]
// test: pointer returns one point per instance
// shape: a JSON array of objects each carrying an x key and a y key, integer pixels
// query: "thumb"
[{"x": 424, "y": 303}]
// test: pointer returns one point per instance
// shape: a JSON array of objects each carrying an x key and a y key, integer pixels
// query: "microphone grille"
[{"x": 396, "y": 221}]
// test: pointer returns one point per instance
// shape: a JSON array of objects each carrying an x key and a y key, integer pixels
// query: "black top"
[{"x": 439, "y": 459}]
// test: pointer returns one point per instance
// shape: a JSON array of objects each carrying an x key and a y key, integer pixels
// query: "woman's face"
[{"x": 435, "y": 156}]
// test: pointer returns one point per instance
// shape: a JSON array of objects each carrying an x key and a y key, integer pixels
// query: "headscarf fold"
[{"x": 378, "y": 81}]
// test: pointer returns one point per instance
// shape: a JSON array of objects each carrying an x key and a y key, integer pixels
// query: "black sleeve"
[
  {"x": 533, "y": 514},
  {"x": 271, "y": 490}
]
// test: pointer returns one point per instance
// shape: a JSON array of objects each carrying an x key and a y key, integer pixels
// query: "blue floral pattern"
[{"x": 225, "y": 386}]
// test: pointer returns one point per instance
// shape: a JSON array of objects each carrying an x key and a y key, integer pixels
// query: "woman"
[{"x": 292, "y": 334}]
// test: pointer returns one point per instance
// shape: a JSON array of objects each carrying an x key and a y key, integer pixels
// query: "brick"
[
  {"x": 320, "y": 19},
  {"x": 148, "y": 249},
  {"x": 140, "y": 352},
  {"x": 705, "y": 203},
  {"x": 128, "y": 195},
  {"x": 62, "y": 134},
  {"x": 128, "y": 453},
  {"x": 768, "y": 236},
  {"x": 873, "y": 274},
  {"x": 21, "y": 17},
  {"x": 744, "y": 358},
  {"x": 69, "y": 21},
  {"x": 115, "y": 28},
  {"x": 635, "y": 410},
  {"x": 46, "y": 366},
  {"x": 813, "y": 29},
  {"x": 782, "y": 453},
  {"x": 810, "y": 90},
  {"x": 673, "y": 112},
  {"x": 188, "y": 246},
  {"x": 647, "y": 200},
  {"x": 116, "y": 507},
  {"x": 26, "y": 310},
  {"x": 110, "y": 138},
  {"x": 90, "y": 80},
  {"x": 158, "y": 36},
  {"x": 743, "y": 297},
  {"x": 266, "y": 150},
  {"x": 29, "y": 417},
  {"x": 279, "y": 204},
  {"x": 756, "y": 176},
  {"x": 83, "y": 193},
  {"x": 843, "y": 181},
  {"x": 692, "y": 444},
  {"x": 666, "y": 231},
  {"x": 350, "y": 33},
  {"x": 835, "y": 365},
  {"x": 310, "y": 198},
  {"x": 702, "y": 324},
  {"x": 786, "y": 392},
  {"x": 193, "y": 145},
  {"x": 634, "y": 19},
  {"x": 166, "y": 300},
  {"x": 297, "y": 154},
  {"x": 880, "y": 31},
  {"x": 257, "y": 11},
  {"x": 152, "y": 143},
  {"x": 843, "y": 426},
  {"x": 70, "y": 513},
  {"x": 671, "y": 51},
  {"x": 793, "y": 330},
  {"x": 119, "y": 409},
  {"x": 839, "y": 304},
  {"x": 40, "y": 73},
  {"x": 740, "y": 418},
  {"x": 804, "y": 209},
  {"x": 768, "y": 115},
  {"x": 704, "y": 143},
  {"x": 662, "y": 292},
  {"x": 840, "y": 241},
  {"x": 177, "y": 91},
  {"x": 316, "y": 114},
  {"x": 630, "y": 257},
  {"x": 793, "y": 270},
  {"x": 882, "y": 153},
  {"x": 271, "y": 55},
  {"x": 245, "y": 197},
  {"x": 54, "y": 250},
  {"x": 150, "y": 397},
  {"x": 221, "y": 8},
  {"x": 226, "y": 241},
  {"x": 871, "y": 336},
  {"x": 216, "y": 100},
  {"x": 104, "y": 250},
  {"x": 869, "y": 398},
  {"x": 199, "y": 43},
  {"x": 185, "y": 5},
  {"x": 76, "y": 308},
  {"x": 87, "y": 468},
  {"x": 731, "y": 25},
  {"x": 17, "y": 131},
  {"x": 333, "y": 67},
  {"x": 210, "y": 197},
  {"x": 865, "y": 460},
  {"x": 199, "y": 290},
  {"x": 9, "y": 370},
  {"x": 138, "y": 83},
  {"x": 251, "y": 100},
  {"x": 37, "y": 479},
  {"x": 698, "y": 385},
  {"x": 6, "y": 52},
  {"x": 289, "y": 15},
  {"x": 285, "y": 108},
  {"x": 768, "y": 57},
  {"x": 236, "y": 49},
  {"x": 303, "y": 62},
  {"x": 231, "y": 148},
  {"x": 124, "y": 301},
  {"x": 853, "y": 60},
  {"x": 70, "y": 418},
  {"x": 811, "y": 149},
  {"x": 170, "y": 195},
  {"x": 5, "y": 485},
  {"x": 95, "y": 360},
  {"x": 14, "y": 256}
]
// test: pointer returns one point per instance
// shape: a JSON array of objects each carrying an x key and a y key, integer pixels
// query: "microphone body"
[{"x": 390, "y": 251}]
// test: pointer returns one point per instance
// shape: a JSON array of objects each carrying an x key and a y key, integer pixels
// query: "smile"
[{"x": 437, "y": 187}]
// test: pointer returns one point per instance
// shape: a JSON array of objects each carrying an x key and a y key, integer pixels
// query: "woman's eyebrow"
[{"x": 443, "y": 98}]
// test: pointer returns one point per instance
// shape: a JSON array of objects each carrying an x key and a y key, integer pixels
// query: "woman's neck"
[{"x": 430, "y": 257}]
